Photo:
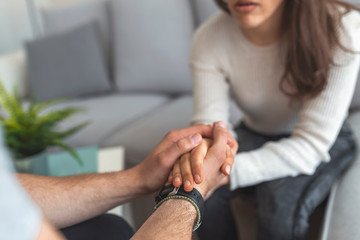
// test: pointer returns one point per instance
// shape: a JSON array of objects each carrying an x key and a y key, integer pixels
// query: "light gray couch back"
[
  {"x": 64, "y": 18},
  {"x": 152, "y": 42},
  {"x": 147, "y": 42}
]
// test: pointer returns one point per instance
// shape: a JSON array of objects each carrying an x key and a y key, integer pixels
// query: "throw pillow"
[
  {"x": 68, "y": 16},
  {"x": 152, "y": 47},
  {"x": 67, "y": 65}
]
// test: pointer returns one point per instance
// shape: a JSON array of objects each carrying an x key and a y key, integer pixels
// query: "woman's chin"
[{"x": 248, "y": 24}]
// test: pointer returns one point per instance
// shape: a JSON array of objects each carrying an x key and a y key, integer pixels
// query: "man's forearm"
[
  {"x": 69, "y": 200},
  {"x": 174, "y": 219}
]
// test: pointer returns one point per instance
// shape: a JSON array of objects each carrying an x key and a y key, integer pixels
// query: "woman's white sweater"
[{"x": 222, "y": 59}]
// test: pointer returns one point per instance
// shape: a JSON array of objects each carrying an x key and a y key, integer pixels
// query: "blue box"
[
  {"x": 63, "y": 164},
  {"x": 60, "y": 163}
]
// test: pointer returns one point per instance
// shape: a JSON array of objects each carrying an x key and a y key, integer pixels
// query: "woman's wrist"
[
  {"x": 202, "y": 188},
  {"x": 206, "y": 191}
]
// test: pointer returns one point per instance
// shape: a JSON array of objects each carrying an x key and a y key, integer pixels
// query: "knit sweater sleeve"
[
  {"x": 320, "y": 121},
  {"x": 206, "y": 60}
]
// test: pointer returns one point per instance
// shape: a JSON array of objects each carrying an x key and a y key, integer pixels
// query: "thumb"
[{"x": 178, "y": 148}]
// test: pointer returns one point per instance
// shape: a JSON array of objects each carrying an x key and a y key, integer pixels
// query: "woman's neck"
[{"x": 259, "y": 37}]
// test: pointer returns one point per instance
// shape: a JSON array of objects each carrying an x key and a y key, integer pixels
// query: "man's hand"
[{"x": 154, "y": 170}]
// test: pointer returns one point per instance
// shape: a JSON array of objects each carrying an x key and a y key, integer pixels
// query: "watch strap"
[{"x": 194, "y": 196}]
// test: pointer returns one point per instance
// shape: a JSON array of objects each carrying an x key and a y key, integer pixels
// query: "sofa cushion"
[
  {"x": 143, "y": 135},
  {"x": 107, "y": 114},
  {"x": 152, "y": 45},
  {"x": 62, "y": 18},
  {"x": 344, "y": 200},
  {"x": 69, "y": 64},
  {"x": 204, "y": 9}
]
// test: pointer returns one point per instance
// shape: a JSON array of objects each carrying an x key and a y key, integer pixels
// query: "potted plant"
[{"x": 29, "y": 131}]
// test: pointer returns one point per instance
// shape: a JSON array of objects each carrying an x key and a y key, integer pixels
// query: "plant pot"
[
  {"x": 59, "y": 163},
  {"x": 35, "y": 164}
]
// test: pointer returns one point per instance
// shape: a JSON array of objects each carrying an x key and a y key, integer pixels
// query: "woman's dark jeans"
[{"x": 283, "y": 205}]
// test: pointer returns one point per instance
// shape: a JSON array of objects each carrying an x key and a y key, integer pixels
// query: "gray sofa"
[{"x": 146, "y": 46}]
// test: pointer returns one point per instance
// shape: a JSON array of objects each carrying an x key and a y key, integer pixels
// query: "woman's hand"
[{"x": 189, "y": 168}]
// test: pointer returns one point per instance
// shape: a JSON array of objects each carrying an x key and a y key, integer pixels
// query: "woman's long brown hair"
[{"x": 312, "y": 31}]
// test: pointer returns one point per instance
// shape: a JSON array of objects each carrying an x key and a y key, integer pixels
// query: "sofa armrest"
[
  {"x": 342, "y": 219},
  {"x": 13, "y": 72}
]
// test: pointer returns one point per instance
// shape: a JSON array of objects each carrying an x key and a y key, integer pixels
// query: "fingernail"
[
  {"x": 197, "y": 177},
  {"x": 177, "y": 179},
  {"x": 221, "y": 124},
  {"x": 228, "y": 169},
  {"x": 186, "y": 183},
  {"x": 196, "y": 138}
]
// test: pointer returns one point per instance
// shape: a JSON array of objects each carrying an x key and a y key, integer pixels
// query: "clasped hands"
[
  {"x": 189, "y": 168},
  {"x": 199, "y": 156}
]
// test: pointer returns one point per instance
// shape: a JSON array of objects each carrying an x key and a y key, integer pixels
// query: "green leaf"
[
  {"x": 41, "y": 106},
  {"x": 10, "y": 125},
  {"x": 5, "y": 98},
  {"x": 11, "y": 103},
  {"x": 72, "y": 130},
  {"x": 69, "y": 150},
  {"x": 52, "y": 118}
]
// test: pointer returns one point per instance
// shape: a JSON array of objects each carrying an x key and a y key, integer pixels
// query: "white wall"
[{"x": 15, "y": 26}]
